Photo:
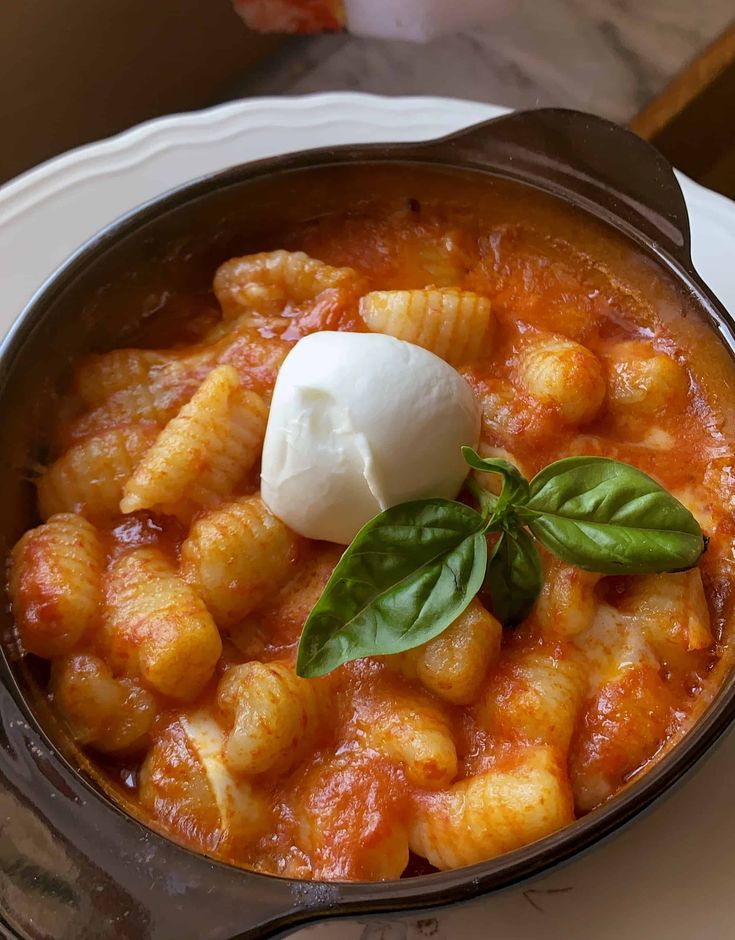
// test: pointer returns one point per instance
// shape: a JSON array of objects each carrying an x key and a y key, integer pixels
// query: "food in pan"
[{"x": 420, "y": 550}]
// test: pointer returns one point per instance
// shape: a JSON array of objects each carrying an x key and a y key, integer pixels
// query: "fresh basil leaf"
[
  {"x": 407, "y": 575},
  {"x": 514, "y": 577},
  {"x": 515, "y": 485},
  {"x": 606, "y": 516},
  {"x": 487, "y": 501}
]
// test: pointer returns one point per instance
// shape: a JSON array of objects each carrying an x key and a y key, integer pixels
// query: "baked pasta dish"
[{"x": 392, "y": 543}]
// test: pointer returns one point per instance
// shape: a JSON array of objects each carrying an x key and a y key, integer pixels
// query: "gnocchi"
[
  {"x": 200, "y": 455},
  {"x": 413, "y": 731},
  {"x": 568, "y": 603},
  {"x": 276, "y": 716},
  {"x": 348, "y": 839},
  {"x": 101, "y": 376},
  {"x": 564, "y": 375},
  {"x": 453, "y": 665},
  {"x": 90, "y": 477},
  {"x": 496, "y": 811},
  {"x": 111, "y": 714},
  {"x": 269, "y": 281},
  {"x": 456, "y": 325},
  {"x": 621, "y": 727},
  {"x": 235, "y": 555},
  {"x": 642, "y": 381},
  {"x": 56, "y": 584},
  {"x": 185, "y": 784},
  {"x": 156, "y": 626},
  {"x": 671, "y": 611},
  {"x": 535, "y": 698}
]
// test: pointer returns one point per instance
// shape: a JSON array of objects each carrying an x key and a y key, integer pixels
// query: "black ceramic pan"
[{"x": 72, "y": 864}]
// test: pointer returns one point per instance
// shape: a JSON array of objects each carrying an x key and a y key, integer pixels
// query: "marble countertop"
[{"x": 606, "y": 56}]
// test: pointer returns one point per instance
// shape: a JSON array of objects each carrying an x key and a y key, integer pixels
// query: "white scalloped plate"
[
  {"x": 668, "y": 876},
  {"x": 49, "y": 211}
]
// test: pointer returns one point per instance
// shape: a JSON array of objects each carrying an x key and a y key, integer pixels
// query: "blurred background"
[{"x": 76, "y": 70}]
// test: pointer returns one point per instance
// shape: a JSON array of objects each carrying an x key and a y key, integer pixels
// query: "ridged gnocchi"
[
  {"x": 157, "y": 627},
  {"x": 454, "y": 664},
  {"x": 411, "y": 729},
  {"x": 276, "y": 716},
  {"x": 111, "y": 714},
  {"x": 494, "y": 812},
  {"x": 203, "y": 452},
  {"x": 454, "y": 324},
  {"x": 267, "y": 282},
  {"x": 565, "y": 375},
  {"x": 56, "y": 584},
  {"x": 89, "y": 478},
  {"x": 536, "y": 698},
  {"x": 234, "y": 556}
]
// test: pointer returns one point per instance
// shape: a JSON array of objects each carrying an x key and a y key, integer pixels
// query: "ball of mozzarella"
[{"x": 360, "y": 422}]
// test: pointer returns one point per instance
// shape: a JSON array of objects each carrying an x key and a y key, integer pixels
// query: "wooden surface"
[
  {"x": 72, "y": 71},
  {"x": 693, "y": 121}
]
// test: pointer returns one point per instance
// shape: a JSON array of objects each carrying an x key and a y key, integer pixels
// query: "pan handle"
[
  {"x": 587, "y": 159},
  {"x": 74, "y": 866}
]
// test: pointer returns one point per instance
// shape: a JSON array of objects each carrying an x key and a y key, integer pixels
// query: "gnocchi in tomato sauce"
[{"x": 169, "y": 600}]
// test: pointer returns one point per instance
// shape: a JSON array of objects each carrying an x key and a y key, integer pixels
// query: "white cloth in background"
[{"x": 419, "y": 20}]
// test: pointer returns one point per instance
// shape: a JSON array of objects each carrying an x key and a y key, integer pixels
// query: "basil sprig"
[{"x": 413, "y": 569}]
